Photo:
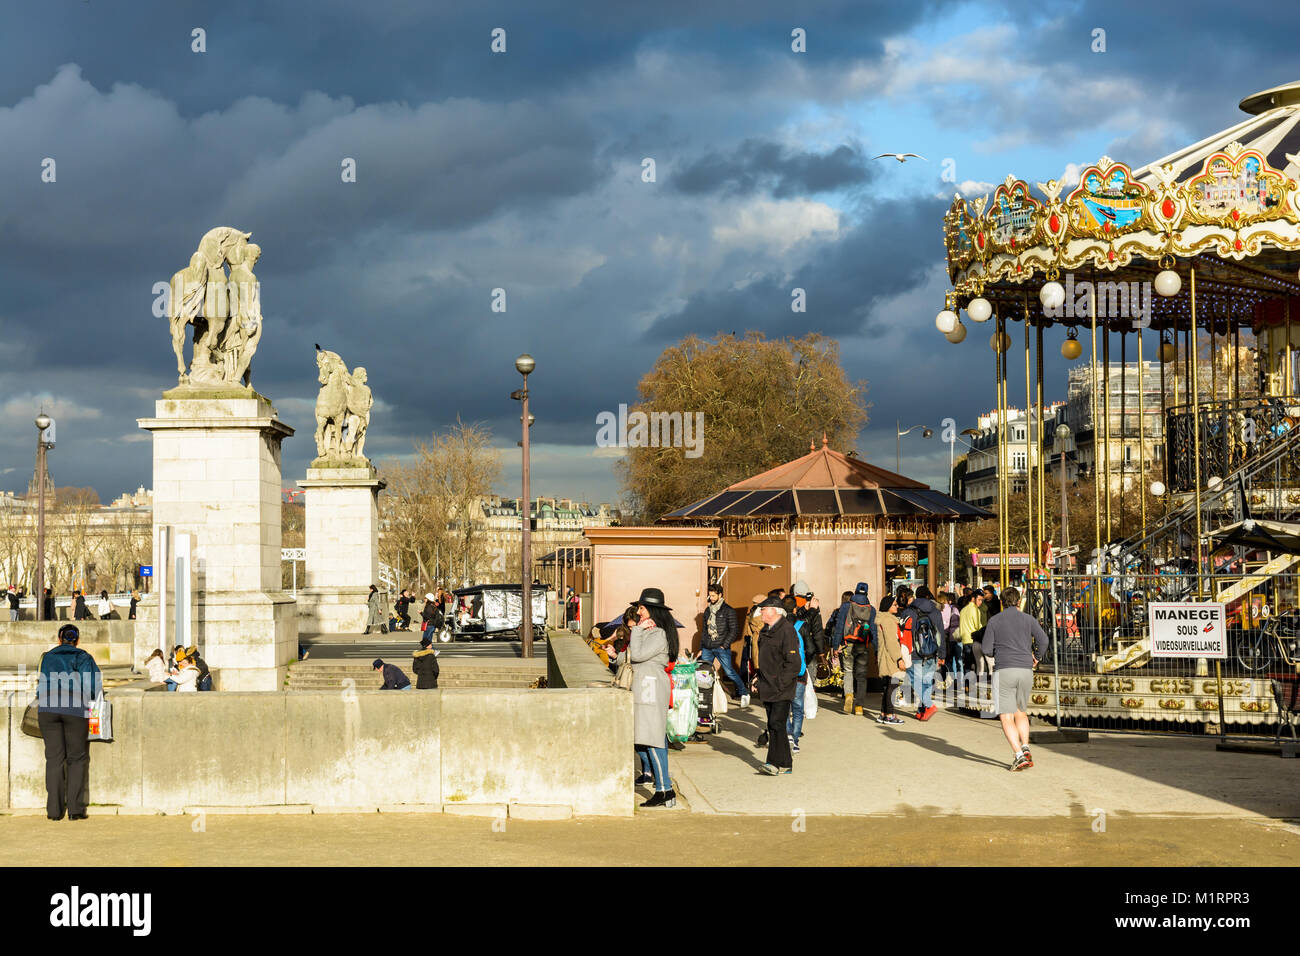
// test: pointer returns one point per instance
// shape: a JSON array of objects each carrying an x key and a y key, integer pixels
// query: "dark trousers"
[
  {"x": 778, "y": 741},
  {"x": 887, "y": 698},
  {"x": 67, "y": 762},
  {"x": 861, "y": 663}
]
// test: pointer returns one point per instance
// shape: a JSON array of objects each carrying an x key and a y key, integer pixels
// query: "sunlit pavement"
[{"x": 954, "y": 764}]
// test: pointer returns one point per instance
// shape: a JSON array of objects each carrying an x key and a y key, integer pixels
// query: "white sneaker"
[{"x": 744, "y": 700}]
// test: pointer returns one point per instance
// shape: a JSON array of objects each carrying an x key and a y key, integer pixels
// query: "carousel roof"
[
  {"x": 825, "y": 483},
  {"x": 1229, "y": 204}
]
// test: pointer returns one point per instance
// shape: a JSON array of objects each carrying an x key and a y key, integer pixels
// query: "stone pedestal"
[
  {"x": 216, "y": 475},
  {"x": 342, "y": 530}
]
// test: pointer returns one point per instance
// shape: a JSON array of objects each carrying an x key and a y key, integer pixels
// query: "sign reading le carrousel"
[{"x": 1188, "y": 629}]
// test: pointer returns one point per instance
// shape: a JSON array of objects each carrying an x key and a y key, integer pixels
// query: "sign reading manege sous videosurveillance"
[{"x": 1188, "y": 629}]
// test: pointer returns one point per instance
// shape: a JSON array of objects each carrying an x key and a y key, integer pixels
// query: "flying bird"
[{"x": 901, "y": 157}]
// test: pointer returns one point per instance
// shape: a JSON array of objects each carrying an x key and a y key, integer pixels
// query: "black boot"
[
  {"x": 643, "y": 778},
  {"x": 658, "y": 800},
  {"x": 670, "y": 798}
]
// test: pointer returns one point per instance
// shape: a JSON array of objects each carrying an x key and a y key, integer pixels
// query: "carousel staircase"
[{"x": 1181, "y": 520}]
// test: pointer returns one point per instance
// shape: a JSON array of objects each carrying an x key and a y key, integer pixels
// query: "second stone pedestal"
[{"x": 342, "y": 531}]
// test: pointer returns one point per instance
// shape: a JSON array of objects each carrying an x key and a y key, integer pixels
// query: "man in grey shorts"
[{"x": 1009, "y": 639}]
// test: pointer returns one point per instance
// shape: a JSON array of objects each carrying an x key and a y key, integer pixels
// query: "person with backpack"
[
  {"x": 923, "y": 623},
  {"x": 859, "y": 622},
  {"x": 652, "y": 651}
]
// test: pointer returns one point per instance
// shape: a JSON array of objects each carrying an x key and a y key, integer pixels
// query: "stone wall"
[
  {"x": 476, "y": 750},
  {"x": 110, "y": 642}
]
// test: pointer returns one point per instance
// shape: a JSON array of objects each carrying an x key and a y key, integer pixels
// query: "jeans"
[
  {"x": 847, "y": 651},
  {"x": 409, "y": 687},
  {"x": 171, "y": 684},
  {"x": 887, "y": 698},
  {"x": 13, "y": 614},
  {"x": 654, "y": 760},
  {"x": 794, "y": 726},
  {"x": 920, "y": 677},
  {"x": 723, "y": 655},
  {"x": 778, "y": 744}
]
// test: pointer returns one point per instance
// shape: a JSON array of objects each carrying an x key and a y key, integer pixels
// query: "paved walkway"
[{"x": 954, "y": 764}]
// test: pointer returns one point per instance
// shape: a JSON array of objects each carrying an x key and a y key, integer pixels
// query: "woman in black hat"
[{"x": 652, "y": 650}]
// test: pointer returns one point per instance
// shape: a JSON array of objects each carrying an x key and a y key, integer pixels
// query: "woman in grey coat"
[
  {"x": 376, "y": 618},
  {"x": 651, "y": 649}
]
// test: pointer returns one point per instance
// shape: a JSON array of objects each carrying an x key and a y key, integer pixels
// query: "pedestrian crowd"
[{"x": 78, "y": 607}]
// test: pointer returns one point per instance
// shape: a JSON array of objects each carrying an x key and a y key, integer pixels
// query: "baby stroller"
[{"x": 706, "y": 721}]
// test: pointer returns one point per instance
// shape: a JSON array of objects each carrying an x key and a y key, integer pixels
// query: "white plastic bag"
[
  {"x": 719, "y": 698},
  {"x": 100, "y": 713},
  {"x": 809, "y": 701}
]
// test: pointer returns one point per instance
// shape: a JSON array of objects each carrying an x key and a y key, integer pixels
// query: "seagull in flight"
[{"x": 901, "y": 157}]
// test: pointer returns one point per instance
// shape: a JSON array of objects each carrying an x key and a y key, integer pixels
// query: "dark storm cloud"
[
  {"x": 888, "y": 252},
  {"x": 758, "y": 165}
]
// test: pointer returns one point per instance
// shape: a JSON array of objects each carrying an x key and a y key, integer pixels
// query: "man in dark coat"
[
  {"x": 425, "y": 664},
  {"x": 68, "y": 682},
  {"x": 393, "y": 677},
  {"x": 720, "y": 632},
  {"x": 778, "y": 672}
]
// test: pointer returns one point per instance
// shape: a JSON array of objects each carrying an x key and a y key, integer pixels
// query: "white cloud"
[{"x": 778, "y": 224}]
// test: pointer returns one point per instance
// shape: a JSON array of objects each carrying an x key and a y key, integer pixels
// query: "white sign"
[
  {"x": 1188, "y": 629},
  {"x": 293, "y": 554}
]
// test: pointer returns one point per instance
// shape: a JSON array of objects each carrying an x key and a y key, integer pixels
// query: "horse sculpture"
[
  {"x": 198, "y": 297},
  {"x": 342, "y": 407}
]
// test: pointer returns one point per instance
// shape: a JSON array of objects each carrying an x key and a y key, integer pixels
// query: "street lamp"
[
  {"x": 524, "y": 365},
  {"x": 1063, "y": 436},
  {"x": 952, "y": 527},
  {"x": 898, "y": 441},
  {"x": 42, "y": 423}
]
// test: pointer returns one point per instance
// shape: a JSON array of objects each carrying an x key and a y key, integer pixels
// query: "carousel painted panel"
[
  {"x": 1237, "y": 187},
  {"x": 1012, "y": 217},
  {"x": 1107, "y": 202},
  {"x": 1176, "y": 699}
]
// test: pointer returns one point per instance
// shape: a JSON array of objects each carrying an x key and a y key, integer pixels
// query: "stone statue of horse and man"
[{"x": 342, "y": 408}]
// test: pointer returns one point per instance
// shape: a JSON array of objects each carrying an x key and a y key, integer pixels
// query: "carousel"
[{"x": 1189, "y": 267}]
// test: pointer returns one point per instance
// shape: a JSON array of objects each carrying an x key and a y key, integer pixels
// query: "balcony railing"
[{"x": 1230, "y": 434}]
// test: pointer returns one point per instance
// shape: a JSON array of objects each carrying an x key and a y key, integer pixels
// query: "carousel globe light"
[
  {"x": 1052, "y": 295},
  {"x": 1168, "y": 282},
  {"x": 999, "y": 341},
  {"x": 1215, "y": 483},
  {"x": 958, "y": 334},
  {"x": 1167, "y": 352},
  {"x": 1071, "y": 348},
  {"x": 946, "y": 321},
  {"x": 1158, "y": 489},
  {"x": 979, "y": 309}
]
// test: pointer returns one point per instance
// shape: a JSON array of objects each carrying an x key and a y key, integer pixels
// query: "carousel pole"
[
  {"x": 1196, "y": 441},
  {"x": 1123, "y": 419},
  {"x": 1038, "y": 445},
  {"x": 1105, "y": 360},
  {"x": 1142, "y": 437},
  {"x": 1029, "y": 457},
  {"x": 1236, "y": 360},
  {"x": 1003, "y": 531},
  {"x": 1096, "y": 488},
  {"x": 1287, "y": 390}
]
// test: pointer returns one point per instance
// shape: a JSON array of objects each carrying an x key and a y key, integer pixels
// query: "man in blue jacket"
[{"x": 68, "y": 682}]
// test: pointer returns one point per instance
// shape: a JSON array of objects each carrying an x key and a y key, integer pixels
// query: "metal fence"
[{"x": 1100, "y": 673}]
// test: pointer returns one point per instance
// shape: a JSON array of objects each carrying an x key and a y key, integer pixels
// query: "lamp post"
[
  {"x": 1063, "y": 436},
  {"x": 898, "y": 442},
  {"x": 42, "y": 423},
  {"x": 524, "y": 365},
  {"x": 952, "y": 527}
]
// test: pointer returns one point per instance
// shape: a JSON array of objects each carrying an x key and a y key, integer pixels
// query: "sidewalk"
[{"x": 953, "y": 764}]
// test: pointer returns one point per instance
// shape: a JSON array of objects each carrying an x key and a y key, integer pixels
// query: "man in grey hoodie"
[{"x": 1010, "y": 638}]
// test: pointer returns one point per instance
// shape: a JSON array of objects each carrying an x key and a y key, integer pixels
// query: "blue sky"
[{"x": 522, "y": 171}]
